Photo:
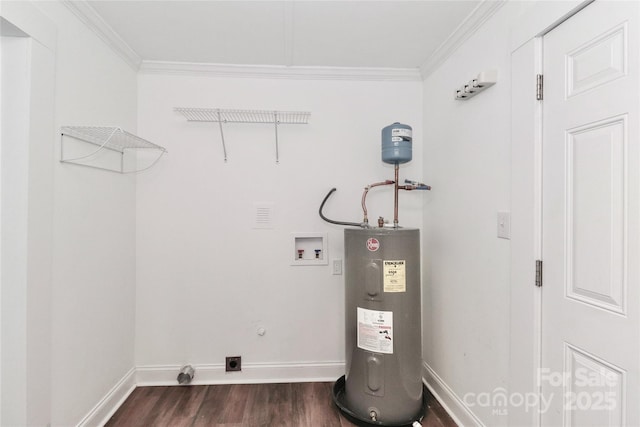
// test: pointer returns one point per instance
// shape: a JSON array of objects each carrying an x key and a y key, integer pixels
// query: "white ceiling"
[{"x": 347, "y": 33}]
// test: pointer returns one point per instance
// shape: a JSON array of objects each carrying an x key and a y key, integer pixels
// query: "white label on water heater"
[
  {"x": 375, "y": 330},
  {"x": 401, "y": 132},
  {"x": 395, "y": 278}
]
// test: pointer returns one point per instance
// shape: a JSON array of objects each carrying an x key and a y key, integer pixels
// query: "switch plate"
[
  {"x": 337, "y": 266},
  {"x": 504, "y": 225}
]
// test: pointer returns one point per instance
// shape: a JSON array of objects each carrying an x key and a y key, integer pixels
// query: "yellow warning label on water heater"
[{"x": 394, "y": 276}]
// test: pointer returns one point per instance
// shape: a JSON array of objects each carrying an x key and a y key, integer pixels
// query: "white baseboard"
[
  {"x": 457, "y": 409},
  {"x": 108, "y": 405},
  {"x": 252, "y": 373}
]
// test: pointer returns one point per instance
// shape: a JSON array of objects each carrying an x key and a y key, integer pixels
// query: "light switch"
[
  {"x": 504, "y": 225},
  {"x": 337, "y": 267}
]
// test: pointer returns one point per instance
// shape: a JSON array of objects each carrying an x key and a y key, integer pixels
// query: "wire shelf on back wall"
[
  {"x": 221, "y": 116},
  {"x": 109, "y": 138}
]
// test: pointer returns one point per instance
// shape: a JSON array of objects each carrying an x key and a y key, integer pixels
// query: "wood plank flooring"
[{"x": 243, "y": 405}]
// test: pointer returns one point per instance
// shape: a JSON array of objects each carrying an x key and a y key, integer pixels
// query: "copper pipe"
[
  {"x": 395, "y": 196},
  {"x": 364, "y": 196}
]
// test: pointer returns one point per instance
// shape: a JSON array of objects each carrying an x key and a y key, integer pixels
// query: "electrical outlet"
[
  {"x": 337, "y": 266},
  {"x": 233, "y": 363}
]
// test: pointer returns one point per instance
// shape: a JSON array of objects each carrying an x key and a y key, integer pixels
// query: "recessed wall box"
[{"x": 309, "y": 248}]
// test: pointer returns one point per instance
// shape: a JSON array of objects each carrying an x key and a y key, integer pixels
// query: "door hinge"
[
  {"x": 539, "y": 86},
  {"x": 538, "y": 273}
]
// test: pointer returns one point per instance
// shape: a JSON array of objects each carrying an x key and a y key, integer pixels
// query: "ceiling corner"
[
  {"x": 92, "y": 20},
  {"x": 478, "y": 16}
]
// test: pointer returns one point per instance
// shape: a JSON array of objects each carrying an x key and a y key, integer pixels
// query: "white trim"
[
  {"x": 110, "y": 403},
  {"x": 454, "y": 405},
  {"x": 485, "y": 10},
  {"x": 252, "y": 373},
  {"x": 92, "y": 19},
  {"x": 525, "y": 189},
  {"x": 541, "y": 17},
  {"x": 280, "y": 71}
]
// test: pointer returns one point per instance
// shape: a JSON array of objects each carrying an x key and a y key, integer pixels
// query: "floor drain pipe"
[{"x": 186, "y": 374}]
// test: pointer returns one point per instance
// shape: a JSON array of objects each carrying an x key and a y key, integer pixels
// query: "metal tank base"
[{"x": 339, "y": 401}]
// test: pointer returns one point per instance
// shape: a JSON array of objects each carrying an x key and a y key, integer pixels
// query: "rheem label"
[{"x": 373, "y": 244}]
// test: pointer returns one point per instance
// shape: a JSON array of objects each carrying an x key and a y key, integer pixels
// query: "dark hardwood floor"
[{"x": 246, "y": 405}]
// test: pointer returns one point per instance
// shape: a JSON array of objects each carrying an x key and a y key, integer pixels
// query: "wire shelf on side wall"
[
  {"x": 220, "y": 116},
  {"x": 106, "y": 138}
]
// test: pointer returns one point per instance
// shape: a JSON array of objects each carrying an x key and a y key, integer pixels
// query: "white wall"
[
  {"x": 93, "y": 295},
  {"x": 466, "y": 267},
  {"x": 206, "y": 279}
]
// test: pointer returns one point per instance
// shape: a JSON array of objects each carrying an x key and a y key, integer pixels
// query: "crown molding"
[
  {"x": 485, "y": 10},
  {"x": 92, "y": 19},
  {"x": 280, "y": 71}
]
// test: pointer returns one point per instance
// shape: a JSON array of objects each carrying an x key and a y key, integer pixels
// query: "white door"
[{"x": 591, "y": 219}]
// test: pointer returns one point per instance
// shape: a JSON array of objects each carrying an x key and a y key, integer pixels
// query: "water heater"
[
  {"x": 383, "y": 375},
  {"x": 382, "y": 384}
]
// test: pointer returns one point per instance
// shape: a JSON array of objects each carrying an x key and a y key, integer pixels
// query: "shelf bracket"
[
  {"x": 74, "y": 159},
  {"x": 275, "y": 122},
  {"x": 224, "y": 147}
]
